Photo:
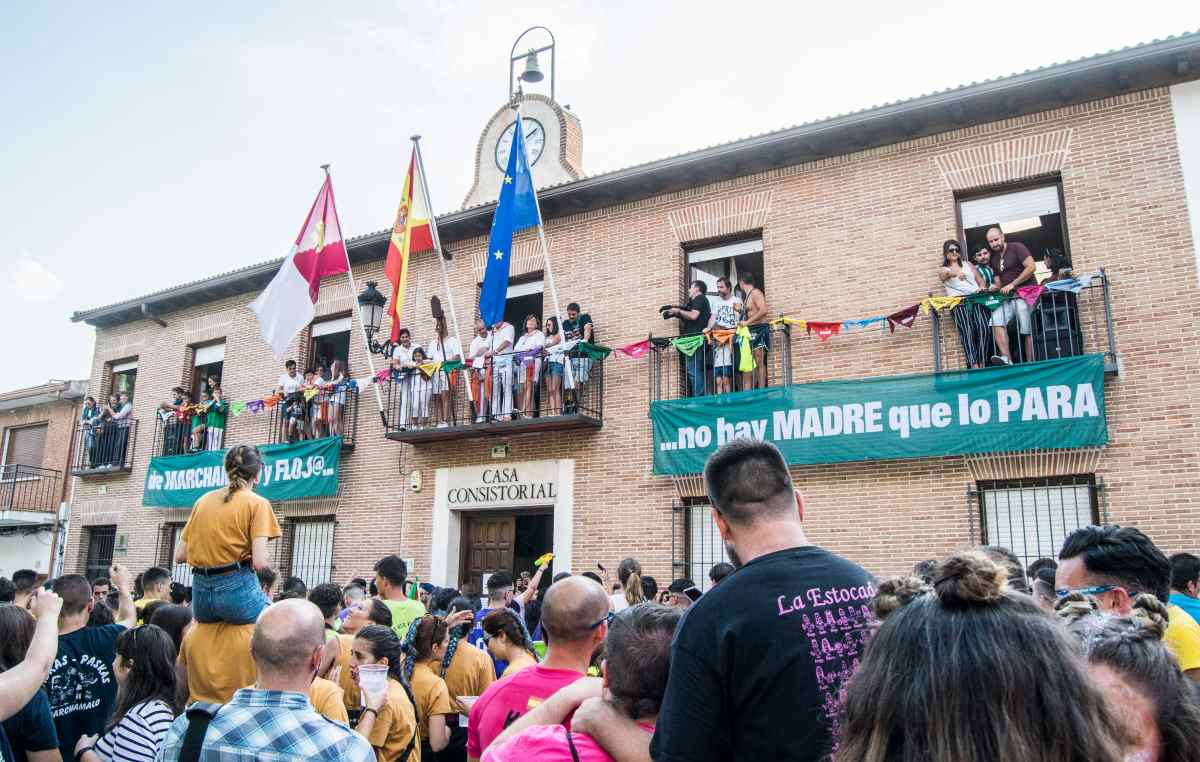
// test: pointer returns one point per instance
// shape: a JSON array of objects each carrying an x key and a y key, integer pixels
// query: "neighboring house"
[{"x": 36, "y": 426}]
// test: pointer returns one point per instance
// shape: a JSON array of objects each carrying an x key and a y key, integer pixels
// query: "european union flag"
[{"x": 516, "y": 210}]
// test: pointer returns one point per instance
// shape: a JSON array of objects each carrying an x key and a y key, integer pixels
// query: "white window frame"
[{"x": 1032, "y": 520}]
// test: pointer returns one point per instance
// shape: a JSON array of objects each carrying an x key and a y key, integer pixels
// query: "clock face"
[{"x": 535, "y": 141}]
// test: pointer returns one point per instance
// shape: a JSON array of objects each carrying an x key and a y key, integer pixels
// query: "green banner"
[
  {"x": 308, "y": 468},
  {"x": 1050, "y": 404}
]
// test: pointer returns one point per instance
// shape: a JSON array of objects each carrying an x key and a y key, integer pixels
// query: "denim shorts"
[
  {"x": 723, "y": 371},
  {"x": 234, "y": 597},
  {"x": 554, "y": 368}
]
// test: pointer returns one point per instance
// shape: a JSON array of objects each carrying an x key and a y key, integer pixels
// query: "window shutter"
[{"x": 26, "y": 446}]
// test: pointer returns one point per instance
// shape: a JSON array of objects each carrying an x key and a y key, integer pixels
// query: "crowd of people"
[
  {"x": 540, "y": 371},
  {"x": 106, "y": 430},
  {"x": 792, "y": 653},
  {"x": 733, "y": 325}
]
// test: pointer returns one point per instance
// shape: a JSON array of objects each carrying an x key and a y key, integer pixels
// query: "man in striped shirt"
[{"x": 274, "y": 720}]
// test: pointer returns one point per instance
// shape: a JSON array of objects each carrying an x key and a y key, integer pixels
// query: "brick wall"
[{"x": 846, "y": 237}]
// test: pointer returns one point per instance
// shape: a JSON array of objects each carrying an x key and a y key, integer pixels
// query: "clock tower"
[{"x": 553, "y": 140}]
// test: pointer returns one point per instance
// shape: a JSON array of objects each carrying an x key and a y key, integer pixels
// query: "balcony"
[
  {"x": 105, "y": 447},
  {"x": 324, "y": 414},
  {"x": 26, "y": 490},
  {"x": 670, "y": 369},
  {"x": 1063, "y": 324},
  {"x": 428, "y": 408}
]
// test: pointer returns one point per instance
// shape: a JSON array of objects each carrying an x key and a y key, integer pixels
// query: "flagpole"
[
  {"x": 353, "y": 312},
  {"x": 437, "y": 247},
  {"x": 546, "y": 258}
]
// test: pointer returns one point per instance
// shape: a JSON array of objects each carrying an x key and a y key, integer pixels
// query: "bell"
[{"x": 532, "y": 73}]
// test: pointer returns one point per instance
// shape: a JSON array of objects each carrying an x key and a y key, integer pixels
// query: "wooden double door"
[{"x": 502, "y": 541}]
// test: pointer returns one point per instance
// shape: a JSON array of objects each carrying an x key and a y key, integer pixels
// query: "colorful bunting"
[
  {"x": 237, "y": 408},
  {"x": 593, "y": 351},
  {"x": 688, "y": 345},
  {"x": 905, "y": 317},
  {"x": 823, "y": 330},
  {"x": 1030, "y": 293},
  {"x": 939, "y": 303},
  {"x": 1074, "y": 285},
  {"x": 989, "y": 299},
  {"x": 635, "y": 350},
  {"x": 863, "y": 324}
]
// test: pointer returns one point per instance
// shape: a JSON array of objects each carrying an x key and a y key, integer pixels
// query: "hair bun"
[
  {"x": 1151, "y": 614},
  {"x": 969, "y": 579},
  {"x": 895, "y": 593}
]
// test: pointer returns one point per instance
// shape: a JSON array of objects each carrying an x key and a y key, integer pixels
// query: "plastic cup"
[{"x": 372, "y": 678}]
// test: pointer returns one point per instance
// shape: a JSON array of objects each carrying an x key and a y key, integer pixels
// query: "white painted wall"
[
  {"x": 25, "y": 551},
  {"x": 1185, "y": 103}
]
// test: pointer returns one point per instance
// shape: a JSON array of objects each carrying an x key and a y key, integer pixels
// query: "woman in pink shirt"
[{"x": 638, "y": 650}]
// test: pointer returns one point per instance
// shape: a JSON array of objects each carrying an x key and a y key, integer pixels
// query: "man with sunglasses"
[
  {"x": 575, "y": 616},
  {"x": 1113, "y": 564}
]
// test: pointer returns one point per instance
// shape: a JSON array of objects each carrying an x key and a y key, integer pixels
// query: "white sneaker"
[
  {"x": 1000, "y": 360},
  {"x": 443, "y": 425}
]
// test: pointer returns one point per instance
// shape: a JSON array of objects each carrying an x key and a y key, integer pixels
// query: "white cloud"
[{"x": 32, "y": 283}]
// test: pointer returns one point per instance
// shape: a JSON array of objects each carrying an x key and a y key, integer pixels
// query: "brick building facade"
[
  {"x": 842, "y": 218},
  {"x": 36, "y": 426}
]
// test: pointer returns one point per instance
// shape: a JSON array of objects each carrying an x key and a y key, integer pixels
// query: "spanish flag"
[{"x": 410, "y": 235}]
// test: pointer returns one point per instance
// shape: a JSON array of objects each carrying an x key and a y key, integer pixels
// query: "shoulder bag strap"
[
  {"x": 571, "y": 745},
  {"x": 193, "y": 740}
]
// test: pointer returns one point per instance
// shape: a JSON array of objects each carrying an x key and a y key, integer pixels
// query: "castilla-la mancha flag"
[
  {"x": 285, "y": 306},
  {"x": 410, "y": 235}
]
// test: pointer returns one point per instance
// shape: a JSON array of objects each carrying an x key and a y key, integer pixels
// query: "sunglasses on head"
[
  {"x": 608, "y": 619},
  {"x": 953, "y": 249},
  {"x": 1096, "y": 590}
]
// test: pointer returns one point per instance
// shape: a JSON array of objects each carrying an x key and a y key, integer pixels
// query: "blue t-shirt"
[
  {"x": 1188, "y": 604},
  {"x": 6, "y": 751},
  {"x": 81, "y": 686},
  {"x": 31, "y": 729}
]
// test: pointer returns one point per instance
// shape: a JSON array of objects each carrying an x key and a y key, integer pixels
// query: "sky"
[{"x": 146, "y": 145}]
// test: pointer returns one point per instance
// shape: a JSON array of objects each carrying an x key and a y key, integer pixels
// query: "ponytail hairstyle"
[
  {"x": 459, "y": 603},
  {"x": 630, "y": 574},
  {"x": 242, "y": 464},
  {"x": 1132, "y": 646},
  {"x": 423, "y": 634},
  {"x": 506, "y": 621},
  {"x": 385, "y": 643}
]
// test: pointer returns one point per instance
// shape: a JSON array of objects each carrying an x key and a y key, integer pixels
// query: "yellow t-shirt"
[
  {"x": 218, "y": 661},
  {"x": 431, "y": 694},
  {"x": 1183, "y": 637},
  {"x": 326, "y": 700},
  {"x": 471, "y": 671},
  {"x": 350, "y": 692},
  {"x": 219, "y": 533},
  {"x": 395, "y": 726}
]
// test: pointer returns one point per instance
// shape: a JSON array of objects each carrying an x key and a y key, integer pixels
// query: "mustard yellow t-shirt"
[
  {"x": 218, "y": 661},
  {"x": 219, "y": 533},
  {"x": 1183, "y": 637},
  {"x": 470, "y": 673},
  {"x": 431, "y": 694},
  {"x": 395, "y": 726},
  {"x": 350, "y": 692},
  {"x": 326, "y": 700}
]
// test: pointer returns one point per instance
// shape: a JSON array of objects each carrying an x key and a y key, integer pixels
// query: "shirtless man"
[{"x": 755, "y": 316}]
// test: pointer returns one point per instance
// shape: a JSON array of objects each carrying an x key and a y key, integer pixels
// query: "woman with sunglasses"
[
  {"x": 145, "y": 673},
  {"x": 960, "y": 278},
  {"x": 506, "y": 639}
]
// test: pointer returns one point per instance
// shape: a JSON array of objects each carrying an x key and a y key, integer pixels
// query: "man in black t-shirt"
[
  {"x": 693, "y": 320},
  {"x": 81, "y": 686},
  {"x": 758, "y": 661}
]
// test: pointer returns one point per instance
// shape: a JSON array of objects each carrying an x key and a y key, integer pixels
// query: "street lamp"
[
  {"x": 371, "y": 304},
  {"x": 532, "y": 73}
]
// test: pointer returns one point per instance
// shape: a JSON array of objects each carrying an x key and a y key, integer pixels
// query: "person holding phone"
[{"x": 682, "y": 593}]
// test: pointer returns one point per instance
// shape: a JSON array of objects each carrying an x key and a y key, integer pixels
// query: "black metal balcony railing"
[
  {"x": 674, "y": 375},
  {"x": 104, "y": 447},
  {"x": 1062, "y": 324},
  {"x": 516, "y": 394},
  {"x": 27, "y": 488},
  {"x": 171, "y": 435},
  {"x": 326, "y": 414}
]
